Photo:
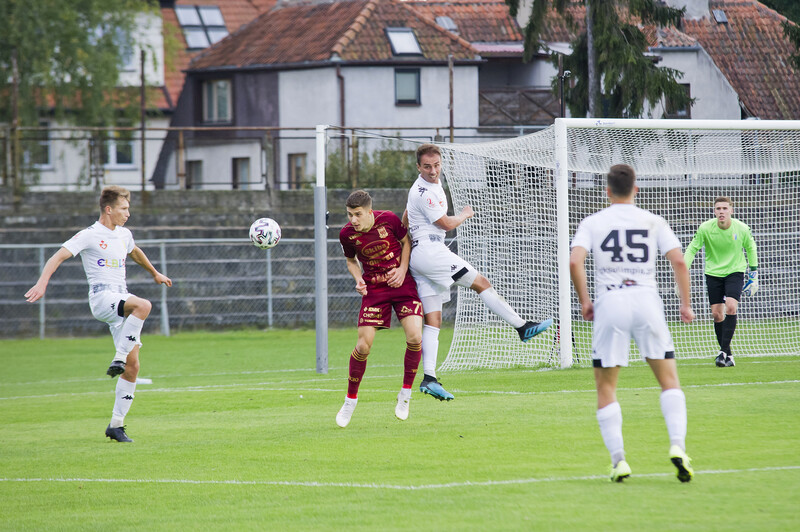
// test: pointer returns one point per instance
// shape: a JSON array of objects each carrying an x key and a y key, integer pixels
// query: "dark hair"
[
  {"x": 359, "y": 198},
  {"x": 427, "y": 149},
  {"x": 725, "y": 199},
  {"x": 111, "y": 195},
  {"x": 621, "y": 179}
]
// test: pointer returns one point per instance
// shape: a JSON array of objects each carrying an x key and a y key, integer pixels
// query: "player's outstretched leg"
[
  {"x": 403, "y": 400},
  {"x": 620, "y": 472},
  {"x": 118, "y": 434},
  {"x": 682, "y": 462},
  {"x": 532, "y": 328},
  {"x": 434, "y": 388},
  {"x": 346, "y": 412}
]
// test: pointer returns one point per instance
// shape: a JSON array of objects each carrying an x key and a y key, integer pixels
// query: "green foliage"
[
  {"x": 390, "y": 165},
  {"x": 792, "y": 31},
  {"x": 68, "y": 56},
  {"x": 629, "y": 78}
]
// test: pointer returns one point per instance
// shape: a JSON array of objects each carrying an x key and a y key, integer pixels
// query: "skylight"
[
  {"x": 403, "y": 41},
  {"x": 447, "y": 23},
  {"x": 202, "y": 25},
  {"x": 719, "y": 16}
]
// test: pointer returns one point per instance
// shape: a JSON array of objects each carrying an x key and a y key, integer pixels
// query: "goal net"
[{"x": 530, "y": 193}]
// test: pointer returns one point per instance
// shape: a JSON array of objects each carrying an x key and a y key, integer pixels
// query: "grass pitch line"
[
  {"x": 269, "y": 386},
  {"x": 395, "y": 487}
]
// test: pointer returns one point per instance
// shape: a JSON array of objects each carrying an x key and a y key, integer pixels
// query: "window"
[
  {"x": 406, "y": 86},
  {"x": 217, "y": 101},
  {"x": 194, "y": 174},
  {"x": 297, "y": 170},
  {"x": 118, "y": 149},
  {"x": 403, "y": 41},
  {"x": 671, "y": 109},
  {"x": 241, "y": 173},
  {"x": 202, "y": 25},
  {"x": 36, "y": 147},
  {"x": 447, "y": 23}
]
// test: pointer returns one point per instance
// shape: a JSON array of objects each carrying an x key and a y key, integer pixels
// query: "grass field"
[{"x": 237, "y": 431}]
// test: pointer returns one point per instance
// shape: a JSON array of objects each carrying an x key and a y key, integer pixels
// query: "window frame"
[
  {"x": 408, "y": 102},
  {"x": 198, "y": 27},
  {"x": 684, "y": 113},
  {"x": 396, "y": 45},
  {"x": 210, "y": 86}
]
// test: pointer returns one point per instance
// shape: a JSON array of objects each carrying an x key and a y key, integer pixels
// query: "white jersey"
[
  {"x": 426, "y": 204},
  {"x": 624, "y": 241},
  {"x": 103, "y": 253}
]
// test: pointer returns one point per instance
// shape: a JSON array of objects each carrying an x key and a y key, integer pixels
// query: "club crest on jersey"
[
  {"x": 382, "y": 232},
  {"x": 103, "y": 244}
]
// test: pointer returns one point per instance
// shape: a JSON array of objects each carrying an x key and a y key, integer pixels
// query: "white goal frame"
[{"x": 563, "y": 167}]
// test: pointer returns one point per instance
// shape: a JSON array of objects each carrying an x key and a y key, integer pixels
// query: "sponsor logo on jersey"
[
  {"x": 113, "y": 306},
  {"x": 103, "y": 244},
  {"x": 131, "y": 338},
  {"x": 375, "y": 249},
  {"x": 382, "y": 232},
  {"x": 453, "y": 267},
  {"x": 111, "y": 263},
  {"x": 431, "y": 204},
  {"x": 128, "y": 397}
]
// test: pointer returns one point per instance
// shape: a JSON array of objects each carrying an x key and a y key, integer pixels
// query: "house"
[
  {"x": 733, "y": 54},
  {"x": 353, "y": 63}
]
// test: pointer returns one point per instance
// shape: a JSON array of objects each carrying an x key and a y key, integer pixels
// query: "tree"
[
  {"x": 608, "y": 61},
  {"x": 791, "y": 10},
  {"x": 64, "y": 58}
]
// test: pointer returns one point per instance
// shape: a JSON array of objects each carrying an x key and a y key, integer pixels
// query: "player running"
[
  {"x": 624, "y": 241},
  {"x": 104, "y": 247},
  {"x": 435, "y": 268},
  {"x": 380, "y": 243},
  {"x": 724, "y": 237}
]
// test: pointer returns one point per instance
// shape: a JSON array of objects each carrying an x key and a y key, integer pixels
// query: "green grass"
[{"x": 237, "y": 431}]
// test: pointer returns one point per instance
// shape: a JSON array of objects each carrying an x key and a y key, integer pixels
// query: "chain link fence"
[{"x": 217, "y": 284}]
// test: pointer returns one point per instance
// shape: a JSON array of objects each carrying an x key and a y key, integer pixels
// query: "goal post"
[{"x": 529, "y": 193}]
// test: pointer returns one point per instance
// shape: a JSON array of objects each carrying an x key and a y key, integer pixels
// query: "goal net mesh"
[{"x": 512, "y": 239}]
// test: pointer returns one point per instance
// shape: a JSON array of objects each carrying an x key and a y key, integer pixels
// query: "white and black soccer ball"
[{"x": 265, "y": 233}]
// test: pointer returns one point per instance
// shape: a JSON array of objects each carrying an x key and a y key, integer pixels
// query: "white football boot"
[
  {"x": 403, "y": 400},
  {"x": 346, "y": 412}
]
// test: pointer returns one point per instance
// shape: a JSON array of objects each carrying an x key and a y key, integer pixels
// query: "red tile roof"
[
  {"x": 476, "y": 20},
  {"x": 752, "y": 51},
  {"x": 297, "y": 34},
  {"x": 235, "y": 12}
]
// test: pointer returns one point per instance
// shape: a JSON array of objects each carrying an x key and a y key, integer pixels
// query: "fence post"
[
  {"x": 321, "y": 253},
  {"x": 44, "y": 297},
  {"x": 269, "y": 288},
  {"x": 164, "y": 309}
]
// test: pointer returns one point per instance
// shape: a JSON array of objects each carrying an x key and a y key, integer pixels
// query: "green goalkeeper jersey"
[{"x": 723, "y": 248}]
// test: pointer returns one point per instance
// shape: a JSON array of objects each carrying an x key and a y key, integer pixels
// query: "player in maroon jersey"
[{"x": 379, "y": 242}]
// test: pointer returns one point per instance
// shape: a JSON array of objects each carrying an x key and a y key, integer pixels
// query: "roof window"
[
  {"x": 403, "y": 41},
  {"x": 201, "y": 25},
  {"x": 719, "y": 16},
  {"x": 447, "y": 23}
]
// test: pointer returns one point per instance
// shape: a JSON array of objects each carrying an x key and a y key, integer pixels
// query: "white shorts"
[
  {"x": 630, "y": 312},
  {"x": 433, "y": 266},
  {"x": 105, "y": 307}
]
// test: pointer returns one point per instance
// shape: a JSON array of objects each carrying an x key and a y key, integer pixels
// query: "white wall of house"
[
  {"x": 69, "y": 161},
  {"x": 311, "y": 97},
  {"x": 715, "y": 97},
  {"x": 151, "y": 40}
]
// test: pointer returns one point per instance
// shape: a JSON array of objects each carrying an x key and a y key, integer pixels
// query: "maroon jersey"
[{"x": 378, "y": 250}]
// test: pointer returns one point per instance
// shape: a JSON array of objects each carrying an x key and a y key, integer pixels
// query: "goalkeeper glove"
[{"x": 751, "y": 286}]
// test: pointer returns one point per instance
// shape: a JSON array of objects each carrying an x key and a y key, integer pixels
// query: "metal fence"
[{"x": 217, "y": 284}]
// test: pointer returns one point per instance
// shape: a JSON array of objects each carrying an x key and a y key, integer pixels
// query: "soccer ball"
[{"x": 265, "y": 233}]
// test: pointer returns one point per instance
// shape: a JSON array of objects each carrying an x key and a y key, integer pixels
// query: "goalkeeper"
[{"x": 724, "y": 237}]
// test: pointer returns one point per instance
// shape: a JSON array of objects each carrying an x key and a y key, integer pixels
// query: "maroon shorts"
[{"x": 376, "y": 306}]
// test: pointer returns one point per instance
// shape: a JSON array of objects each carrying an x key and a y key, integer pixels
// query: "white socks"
[
  {"x": 430, "y": 349},
  {"x": 123, "y": 401},
  {"x": 673, "y": 406},
  {"x": 499, "y": 306},
  {"x": 610, "y": 420},
  {"x": 129, "y": 337}
]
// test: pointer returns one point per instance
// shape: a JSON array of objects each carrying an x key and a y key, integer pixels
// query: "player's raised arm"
[
  {"x": 141, "y": 259},
  {"x": 37, "y": 291},
  {"x": 448, "y": 223},
  {"x": 577, "y": 271}
]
